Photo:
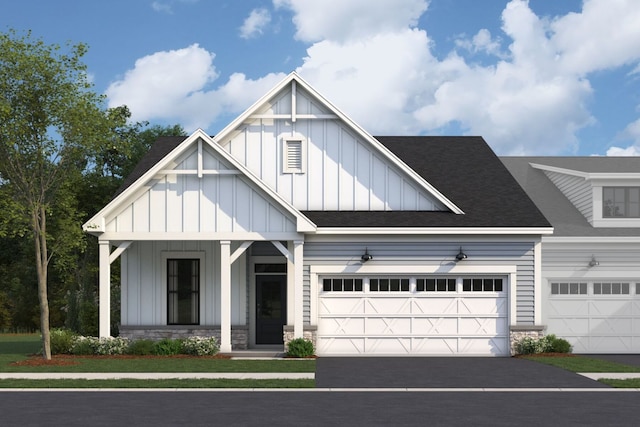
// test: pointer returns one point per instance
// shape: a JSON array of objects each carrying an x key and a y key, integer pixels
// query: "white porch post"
[
  {"x": 295, "y": 307},
  {"x": 105, "y": 289},
  {"x": 298, "y": 297},
  {"x": 225, "y": 296}
]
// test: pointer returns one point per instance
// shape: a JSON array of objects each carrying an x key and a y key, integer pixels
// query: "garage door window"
[
  {"x": 436, "y": 285},
  {"x": 611, "y": 289},
  {"x": 342, "y": 285},
  {"x": 569, "y": 288},
  {"x": 482, "y": 285},
  {"x": 389, "y": 285}
]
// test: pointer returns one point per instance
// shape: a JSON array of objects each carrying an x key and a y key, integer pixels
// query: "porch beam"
[
  {"x": 243, "y": 247},
  {"x": 104, "y": 292},
  {"x": 225, "y": 296},
  {"x": 119, "y": 250}
]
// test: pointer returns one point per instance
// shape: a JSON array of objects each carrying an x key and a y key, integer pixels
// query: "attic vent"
[{"x": 294, "y": 157}]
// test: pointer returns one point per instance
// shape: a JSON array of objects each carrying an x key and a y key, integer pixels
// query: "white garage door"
[
  {"x": 413, "y": 316},
  {"x": 595, "y": 317}
]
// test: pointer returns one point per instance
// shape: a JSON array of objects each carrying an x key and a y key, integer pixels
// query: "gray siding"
[{"x": 577, "y": 190}]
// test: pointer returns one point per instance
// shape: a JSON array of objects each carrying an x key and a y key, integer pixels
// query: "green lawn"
[
  {"x": 173, "y": 383},
  {"x": 15, "y": 348},
  {"x": 630, "y": 383},
  {"x": 584, "y": 364}
]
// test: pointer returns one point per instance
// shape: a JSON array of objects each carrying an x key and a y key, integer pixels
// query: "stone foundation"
[
  {"x": 239, "y": 334},
  {"x": 309, "y": 332},
  {"x": 517, "y": 332}
]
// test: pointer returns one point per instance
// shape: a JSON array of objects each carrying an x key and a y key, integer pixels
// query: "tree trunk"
[{"x": 42, "y": 263}]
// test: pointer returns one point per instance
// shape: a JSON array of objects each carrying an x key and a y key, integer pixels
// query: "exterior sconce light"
[
  {"x": 593, "y": 261},
  {"x": 461, "y": 255},
  {"x": 366, "y": 256}
]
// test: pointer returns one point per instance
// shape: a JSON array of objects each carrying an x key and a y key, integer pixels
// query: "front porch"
[{"x": 223, "y": 297}]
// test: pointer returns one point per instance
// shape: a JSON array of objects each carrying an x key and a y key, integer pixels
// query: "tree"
[{"x": 51, "y": 126}]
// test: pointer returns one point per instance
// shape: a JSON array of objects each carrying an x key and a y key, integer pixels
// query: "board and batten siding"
[
  {"x": 576, "y": 189},
  {"x": 414, "y": 251},
  {"x": 342, "y": 172},
  {"x": 144, "y": 294},
  {"x": 211, "y": 203}
]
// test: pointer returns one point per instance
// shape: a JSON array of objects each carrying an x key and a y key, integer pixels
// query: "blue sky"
[{"x": 536, "y": 77}]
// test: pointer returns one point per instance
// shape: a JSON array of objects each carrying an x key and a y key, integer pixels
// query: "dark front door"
[{"x": 271, "y": 308}]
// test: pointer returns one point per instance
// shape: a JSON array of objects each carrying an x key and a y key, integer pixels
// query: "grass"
[
  {"x": 173, "y": 383},
  {"x": 629, "y": 383},
  {"x": 19, "y": 347},
  {"x": 583, "y": 364}
]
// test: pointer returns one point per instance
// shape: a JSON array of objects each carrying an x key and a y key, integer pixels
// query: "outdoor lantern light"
[
  {"x": 593, "y": 261},
  {"x": 366, "y": 256},
  {"x": 461, "y": 255}
]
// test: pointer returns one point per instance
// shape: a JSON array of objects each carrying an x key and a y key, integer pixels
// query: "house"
[
  {"x": 591, "y": 262},
  {"x": 295, "y": 222}
]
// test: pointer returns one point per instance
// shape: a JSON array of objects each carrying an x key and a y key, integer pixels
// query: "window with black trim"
[
  {"x": 482, "y": 285},
  {"x": 183, "y": 291},
  {"x": 621, "y": 202}
]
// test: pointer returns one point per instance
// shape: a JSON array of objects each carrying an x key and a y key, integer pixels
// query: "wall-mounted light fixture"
[
  {"x": 366, "y": 256},
  {"x": 461, "y": 255},
  {"x": 593, "y": 261}
]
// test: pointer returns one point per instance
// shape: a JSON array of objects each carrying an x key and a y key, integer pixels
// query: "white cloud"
[
  {"x": 341, "y": 21},
  {"x": 255, "y": 23},
  {"x": 380, "y": 69},
  {"x": 631, "y": 132},
  {"x": 162, "y": 7},
  {"x": 166, "y": 85}
]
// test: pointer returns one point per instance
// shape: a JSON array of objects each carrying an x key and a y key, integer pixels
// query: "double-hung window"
[{"x": 183, "y": 291}]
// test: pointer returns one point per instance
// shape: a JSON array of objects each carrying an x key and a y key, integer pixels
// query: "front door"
[{"x": 271, "y": 308}]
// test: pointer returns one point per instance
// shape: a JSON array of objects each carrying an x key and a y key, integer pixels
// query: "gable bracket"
[
  {"x": 236, "y": 254},
  {"x": 118, "y": 251},
  {"x": 282, "y": 250}
]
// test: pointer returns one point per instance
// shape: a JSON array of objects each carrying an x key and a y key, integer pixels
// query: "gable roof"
[
  {"x": 294, "y": 80},
  {"x": 563, "y": 215},
  {"x": 149, "y": 166},
  {"x": 463, "y": 168}
]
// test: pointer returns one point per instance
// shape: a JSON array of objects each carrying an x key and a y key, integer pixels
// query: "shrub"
[
  {"x": 141, "y": 347},
  {"x": 61, "y": 341},
  {"x": 558, "y": 345},
  {"x": 547, "y": 344},
  {"x": 300, "y": 347},
  {"x": 200, "y": 346},
  {"x": 100, "y": 346},
  {"x": 167, "y": 347}
]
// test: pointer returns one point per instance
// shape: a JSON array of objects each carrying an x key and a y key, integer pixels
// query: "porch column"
[
  {"x": 298, "y": 296},
  {"x": 105, "y": 289},
  {"x": 225, "y": 296},
  {"x": 295, "y": 308}
]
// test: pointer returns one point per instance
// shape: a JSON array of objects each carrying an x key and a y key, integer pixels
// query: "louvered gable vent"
[{"x": 293, "y": 155}]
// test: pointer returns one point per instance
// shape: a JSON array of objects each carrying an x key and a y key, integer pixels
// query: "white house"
[
  {"x": 591, "y": 263},
  {"x": 294, "y": 221}
]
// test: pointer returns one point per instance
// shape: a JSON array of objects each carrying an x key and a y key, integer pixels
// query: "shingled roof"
[{"x": 464, "y": 169}]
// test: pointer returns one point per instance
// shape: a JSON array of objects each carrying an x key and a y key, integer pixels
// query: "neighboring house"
[
  {"x": 591, "y": 263},
  {"x": 294, "y": 221}
]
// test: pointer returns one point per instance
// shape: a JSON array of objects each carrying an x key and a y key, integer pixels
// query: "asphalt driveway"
[{"x": 443, "y": 372}]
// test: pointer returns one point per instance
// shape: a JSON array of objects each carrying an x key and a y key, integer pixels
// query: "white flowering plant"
[
  {"x": 200, "y": 346},
  {"x": 101, "y": 346}
]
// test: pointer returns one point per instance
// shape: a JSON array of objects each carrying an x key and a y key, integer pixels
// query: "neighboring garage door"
[
  {"x": 595, "y": 317},
  {"x": 413, "y": 316}
]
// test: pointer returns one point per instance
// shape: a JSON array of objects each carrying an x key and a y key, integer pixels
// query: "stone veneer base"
[{"x": 239, "y": 334}]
